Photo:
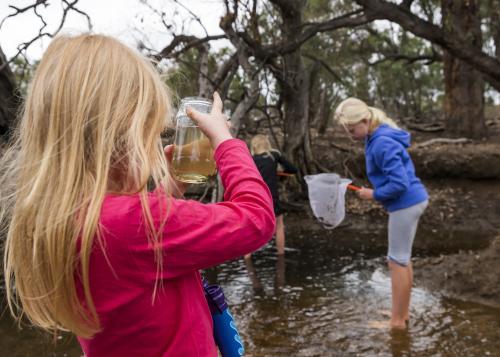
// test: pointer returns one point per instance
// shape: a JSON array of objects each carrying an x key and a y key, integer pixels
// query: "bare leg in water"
[
  {"x": 280, "y": 272},
  {"x": 252, "y": 274},
  {"x": 401, "y": 280},
  {"x": 280, "y": 237},
  {"x": 410, "y": 279},
  {"x": 410, "y": 274}
]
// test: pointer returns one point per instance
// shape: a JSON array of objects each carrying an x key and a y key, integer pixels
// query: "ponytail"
[
  {"x": 378, "y": 117},
  {"x": 352, "y": 110}
]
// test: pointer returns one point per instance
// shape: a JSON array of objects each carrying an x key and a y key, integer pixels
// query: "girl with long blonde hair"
[
  {"x": 89, "y": 249},
  {"x": 267, "y": 160},
  {"x": 392, "y": 174}
]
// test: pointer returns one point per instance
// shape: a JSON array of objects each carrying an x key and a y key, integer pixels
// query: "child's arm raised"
[
  {"x": 214, "y": 233},
  {"x": 198, "y": 235}
]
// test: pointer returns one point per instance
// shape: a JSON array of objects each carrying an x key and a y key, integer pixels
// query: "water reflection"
[
  {"x": 319, "y": 301},
  {"x": 27, "y": 342},
  {"x": 319, "y": 305},
  {"x": 400, "y": 341},
  {"x": 279, "y": 278}
]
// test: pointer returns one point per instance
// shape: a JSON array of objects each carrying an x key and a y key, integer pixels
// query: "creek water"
[{"x": 322, "y": 299}]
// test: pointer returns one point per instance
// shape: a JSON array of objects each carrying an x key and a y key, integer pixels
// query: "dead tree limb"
[
  {"x": 67, "y": 7},
  {"x": 442, "y": 141},
  {"x": 426, "y": 128},
  {"x": 340, "y": 147},
  {"x": 188, "y": 42},
  {"x": 18, "y": 10},
  {"x": 481, "y": 61}
]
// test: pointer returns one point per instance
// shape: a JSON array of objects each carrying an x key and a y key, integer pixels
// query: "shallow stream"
[{"x": 321, "y": 300}]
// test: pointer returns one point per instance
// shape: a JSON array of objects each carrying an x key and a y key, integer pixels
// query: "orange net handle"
[
  {"x": 284, "y": 174},
  {"x": 353, "y": 188}
]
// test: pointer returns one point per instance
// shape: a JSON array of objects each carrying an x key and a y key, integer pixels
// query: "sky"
[
  {"x": 118, "y": 18},
  {"x": 129, "y": 20}
]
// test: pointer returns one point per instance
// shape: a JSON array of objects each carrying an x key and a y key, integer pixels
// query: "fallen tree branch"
[
  {"x": 339, "y": 147},
  {"x": 443, "y": 141},
  {"x": 427, "y": 128}
]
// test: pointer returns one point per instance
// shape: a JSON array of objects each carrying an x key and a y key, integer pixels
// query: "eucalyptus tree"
[{"x": 458, "y": 31}]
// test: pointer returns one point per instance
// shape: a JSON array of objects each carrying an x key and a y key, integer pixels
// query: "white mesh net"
[{"x": 327, "y": 198}]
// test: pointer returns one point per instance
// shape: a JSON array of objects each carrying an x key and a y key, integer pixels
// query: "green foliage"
[
  {"x": 376, "y": 62},
  {"x": 182, "y": 78},
  {"x": 364, "y": 64},
  {"x": 23, "y": 72}
]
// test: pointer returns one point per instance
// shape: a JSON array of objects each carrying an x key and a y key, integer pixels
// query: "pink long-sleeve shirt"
[{"x": 195, "y": 236}]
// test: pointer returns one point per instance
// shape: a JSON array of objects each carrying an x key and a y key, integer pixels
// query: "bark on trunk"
[
  {"x": 205, "y": 88},
  {"x": 464, "y": 86},
  {"x": 294, "y": 80},
  {"x": 495, "y": 26},
  {"x": 9, "y": 98},
  {"x": 324, "y": 113},
  {"x": 296, "y": 107}
]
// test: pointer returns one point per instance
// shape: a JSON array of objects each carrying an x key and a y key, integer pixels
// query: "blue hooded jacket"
[{"x": 390, "y": 169}]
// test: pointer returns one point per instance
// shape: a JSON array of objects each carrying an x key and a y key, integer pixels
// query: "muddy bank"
[
  {"x": 457, "y": 232},
  {"x": 455, "y": 252},
  {"x": 462, "y": 215},
  {"x": 470, "y": 275},
  {"x": 470, "y": 160}
]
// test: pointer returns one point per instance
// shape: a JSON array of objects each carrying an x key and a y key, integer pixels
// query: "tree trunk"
[
  {"x": 495, "y": 26},
  {"x": 9, "y": 98},
  {"x": 324, "y": 113},
  {"x": 448, "y": 39},
  {"x": 294, "y": 80},
  {"x": 296, "y": 110},
  {"x": 204, "y": 86},
  {"x": 464, "y": 86},
  {"x": 315, "y": 92}
]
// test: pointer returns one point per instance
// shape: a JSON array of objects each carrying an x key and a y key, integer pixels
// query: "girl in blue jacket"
[{"x": 392, "y": 174}]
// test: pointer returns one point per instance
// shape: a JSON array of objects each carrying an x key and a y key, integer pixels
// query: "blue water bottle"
[{"x": 226, "y": 334}]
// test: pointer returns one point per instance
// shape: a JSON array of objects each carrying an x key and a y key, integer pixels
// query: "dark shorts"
[{"x": 278, "y": 209}]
